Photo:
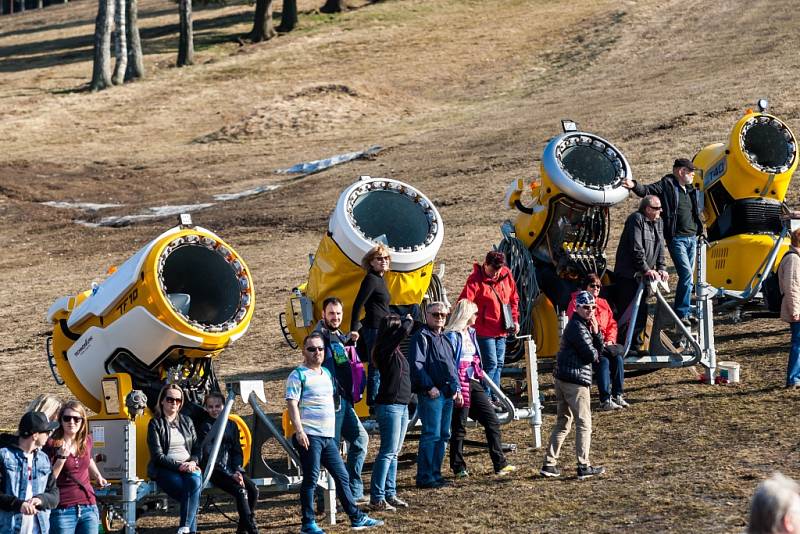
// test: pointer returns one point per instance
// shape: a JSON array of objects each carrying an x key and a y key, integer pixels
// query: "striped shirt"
[{"x": 317, "y": 412}]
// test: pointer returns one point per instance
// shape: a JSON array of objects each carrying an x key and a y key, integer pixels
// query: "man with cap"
[
  {"x": 581, "y": 345},
  {"x": 27, "y": 487},
  {"x": 682, "y": 205}
]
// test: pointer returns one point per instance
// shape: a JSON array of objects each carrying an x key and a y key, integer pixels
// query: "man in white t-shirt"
[
  {"x": 27, "y": 513},
  {"x": 309, "y": 401}
]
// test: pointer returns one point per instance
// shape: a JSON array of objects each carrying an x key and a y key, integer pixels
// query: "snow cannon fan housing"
[
  {"x": 161, "y": 316},
  {"x": 368, "y": 212},
  {"x": 745, "y": 182},
  {"x": 567, "y": 223}
]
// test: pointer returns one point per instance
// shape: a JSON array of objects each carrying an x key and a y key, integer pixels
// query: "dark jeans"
[
  {"x": 245, "y": 496},
  {"x": 625, "y": 292},
  {"x": 184, "y": 488},
  {"x": 610, "y": 372},
  {"x": 373, "y": 375},
  {"x": 480, "y": 410},
  {"x": 323, "y": 452},
  {"x": 349, "y": 428}
]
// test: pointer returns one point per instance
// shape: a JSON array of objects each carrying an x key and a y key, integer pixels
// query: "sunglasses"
[
  {"x": 588, "y": 307},
  {"x": 383, "y": 258},
  {"x": 173, "y": 400},
  {"x": 657, "y": 208},
  {"x": 595, "y": 285},
  {"x": 437, "y": 314},
  {"x": 315, "y": 349},
  {"x": 71, "y": 419}
]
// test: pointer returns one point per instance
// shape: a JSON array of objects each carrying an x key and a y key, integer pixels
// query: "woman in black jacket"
[
  {"x": 174, "y": 455},
  {"x": 391, "y": 409},
  {"x": 228, "y": 474}
]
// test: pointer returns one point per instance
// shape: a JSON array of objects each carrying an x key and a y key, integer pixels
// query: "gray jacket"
[{"x": 641, "y": 247}]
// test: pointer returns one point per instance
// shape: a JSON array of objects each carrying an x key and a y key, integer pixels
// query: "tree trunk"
[
  {"x": 263, "y": 29},
  {"x": 288, "y": 16},
  {"x": 101, "y": 71},
  {"x": 333, "y": 6},
  {"x": 186, "y": 42},
  {"x": 120, "y": 43},
  {"x": 135, "y": 68}
]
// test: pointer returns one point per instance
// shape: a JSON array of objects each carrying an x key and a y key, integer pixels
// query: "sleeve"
[
  {"x": 157, "y": 454},
  {"x": 610, "y": 329},
  {"x": 470, "y": 290},
  {"x": 364, "y": 292},
  {"x": 637, "y": 244},
  {"x": 571, "y": 307},
  {"x": 386, "y": 344},
  {"x": 584, "y": 343},
  {"x": 417, "y": 357},
  {"x": 293, "y": 386},
  {"x": 513, "y": 298},
  {"x": 793, "y": 279},
  {"x": 641, "y": 190},
  {"x": 50, "y": 496},
  {"x": 8, "y": 503},
  {"x": 661, "y": 263},
  {"x": 236, "y": 454}
]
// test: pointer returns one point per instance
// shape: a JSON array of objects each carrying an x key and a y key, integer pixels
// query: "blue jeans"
[
  {"x": 435, "y": 415},
  {"x": 610, "y": 374},
  {"x": 373, "y": 375},
  {"x": 793, "y": 369},
  {"x": 683, "y": 251},
  {"x": 349, "y": 427},
  {"x": 78, "y": 519},
  {"x": 184, "y": 488},
  {"x": 323, "y": 452},
  {"x": 493, "y": 357},
  {"x": 393, "y": 421}
]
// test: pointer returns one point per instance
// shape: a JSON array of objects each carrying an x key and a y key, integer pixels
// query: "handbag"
[
  {"x": 356, "y": 373},
  {"x": 505, "y": 312}
]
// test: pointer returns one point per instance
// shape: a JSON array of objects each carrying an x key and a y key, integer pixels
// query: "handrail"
[{"x": 253, "y": 401}]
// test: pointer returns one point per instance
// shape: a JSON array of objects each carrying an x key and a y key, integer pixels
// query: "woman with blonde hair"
[
  {"x": 46, "y": 403},
  {"x": 70, "y": 453},
  {"x": 476, "y": 403},
  {"x": 373, "y": 296}
]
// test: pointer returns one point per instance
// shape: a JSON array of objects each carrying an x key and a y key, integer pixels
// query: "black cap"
[
  {"x": 683, "y": 162},
  {"x": 33, "y": 422}
]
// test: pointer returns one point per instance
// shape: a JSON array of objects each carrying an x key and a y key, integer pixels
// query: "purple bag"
[{"x": 356, "y": 373}]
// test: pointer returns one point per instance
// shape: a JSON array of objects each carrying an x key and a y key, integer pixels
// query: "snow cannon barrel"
[
  {"x": 161, "y": 316},
  {"x": 370, "y": 211}
]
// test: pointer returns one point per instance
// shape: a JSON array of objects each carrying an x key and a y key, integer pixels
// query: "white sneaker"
[
  {"x": 609, "y": 406},
  {"x": 620, "y": 401}
]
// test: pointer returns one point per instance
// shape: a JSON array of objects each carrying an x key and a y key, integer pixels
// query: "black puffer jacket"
[
  {"x": 579, "y": 349},
  {"x": 158, "y": 443}
]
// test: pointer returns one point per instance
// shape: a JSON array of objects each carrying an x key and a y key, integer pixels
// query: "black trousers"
[
  {"x": 625, "y": 293},
  {"x": 246, "y": 497},
  {"x": 480, "y": 410}
]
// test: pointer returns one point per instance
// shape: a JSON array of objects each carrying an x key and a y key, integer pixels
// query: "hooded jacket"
[
  {"x": 478, "y": 289},
  {"x": 432, "y": 359},
  {"x": 457, "y": 339}
]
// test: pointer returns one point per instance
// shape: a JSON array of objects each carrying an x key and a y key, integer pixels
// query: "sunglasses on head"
[
  {"x": 71, "y": 418},
  {"x": 173, "y": 400},
  {"x": 315, "y": 349}
]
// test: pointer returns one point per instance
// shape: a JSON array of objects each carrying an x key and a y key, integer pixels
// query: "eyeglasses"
[
  {"x": 657, "y": 208},
  {"x": 315, "y": 349},
  {"x": 595, "y": 286},
  {"x": 437, "y": 314},
  {"x": 588, "y": 307},
  {"x": 173, "y": 400},
  {"x": 71, "y": 419}
]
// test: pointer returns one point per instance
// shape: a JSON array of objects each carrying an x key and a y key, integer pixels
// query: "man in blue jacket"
[
  {"x": 435, "y": 380},
  {"x": 682, "y": 206}
]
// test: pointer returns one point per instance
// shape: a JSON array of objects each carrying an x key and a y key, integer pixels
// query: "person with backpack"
[
  {"x": 789, "y": 283},
  {"x": 343, "y": 364},
  {"x": 310, "y": 404}
]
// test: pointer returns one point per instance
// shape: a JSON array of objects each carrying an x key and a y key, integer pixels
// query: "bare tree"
[
  {"x": 120, "y": 43},
  {"x": 263, "y": 29},
  {"x": 101, "y": 69},
  {"x": 288, "y": 16},
  {"x": 333, "y": 6},
  {"x": 135, "y": 64},
  {"x": 186, "y": 40}
]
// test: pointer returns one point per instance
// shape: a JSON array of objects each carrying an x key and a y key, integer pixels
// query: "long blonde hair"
[
  {"x": 378, "y": 250},
  {"x": 48, "y": 404},
  {"x": 81, "y": 436},
  {"x": 461, "y": 315}
]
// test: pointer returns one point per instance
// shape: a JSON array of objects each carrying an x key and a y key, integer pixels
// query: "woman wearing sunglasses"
[
  {"x": 174, "y": 455},
  {"x": 373, "y": 297},
  {"x": 610, "y": 370},
  {"x": 70, "y": 452}
]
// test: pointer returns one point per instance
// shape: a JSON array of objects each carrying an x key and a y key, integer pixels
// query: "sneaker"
[
  {"x": 619, "y": 401},
  {"x": 686, "y": 322},
  {"x": 498, "y": 406},
  {"x": 588, "y": 471},
  {"x": 366, "y": 521},
  {"x": 183, "y": 530},
  {"x": 550, "y": 471},
  {"x": 397, "y": 502},
  {"x": 364, "y": 499},
  {"x": 609, "y": 406},
  {"x": 693, "y": 319},
  {"x": 311, "y": 528},
  {"x": 381, "y": 506},
  {"x": 462, "y": 474},
  {"x": 506, "y": 470}
]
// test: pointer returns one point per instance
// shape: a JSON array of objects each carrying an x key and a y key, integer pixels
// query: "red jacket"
[
  {"x": 478, "y": 290},
  {"x": 605, "y": 318}
]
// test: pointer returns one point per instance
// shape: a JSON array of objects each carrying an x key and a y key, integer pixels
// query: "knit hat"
[{"x": 584, "y": 298}]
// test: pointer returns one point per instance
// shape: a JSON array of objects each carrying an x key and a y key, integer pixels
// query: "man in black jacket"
[
  {"x": 581, "y": 344},
  {"x": 682, "y": 207},
  {"x": 640, "y": 254}
]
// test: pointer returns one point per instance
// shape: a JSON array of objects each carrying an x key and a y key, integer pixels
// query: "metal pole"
[
  {"x": 130, "y": 484},
  {"x": 219, "y": 427},
  {"x": 276, "y": 433},
  {"x": 703, "y": 298},
  {"x": 534, "y": 405},
  {"x": 637, "y": 301}
]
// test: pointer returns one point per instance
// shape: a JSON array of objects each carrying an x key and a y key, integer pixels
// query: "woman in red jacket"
[
  {"x": 610, "y": 371},
  {"x": 491, "y": 286}
]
